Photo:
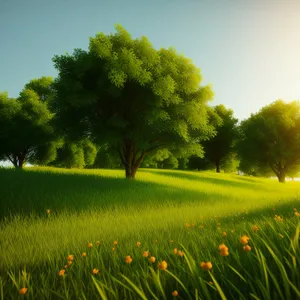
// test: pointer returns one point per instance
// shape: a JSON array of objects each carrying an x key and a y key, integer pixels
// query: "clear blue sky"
[{"x": 249, "y": 50}]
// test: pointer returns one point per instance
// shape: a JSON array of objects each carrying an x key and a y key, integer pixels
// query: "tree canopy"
[
  {"x": 24, "y": 126},
  {"x": 270, "y": 139},
  {"x": 138, "y": 99}
]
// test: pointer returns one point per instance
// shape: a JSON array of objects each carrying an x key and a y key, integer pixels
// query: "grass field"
[{"x": 100, "y": 213}]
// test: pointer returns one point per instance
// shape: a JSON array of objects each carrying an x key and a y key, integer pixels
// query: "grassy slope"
[{"x": 91, "y": 205}]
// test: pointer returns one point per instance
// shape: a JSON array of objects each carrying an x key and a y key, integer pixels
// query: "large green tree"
[
  {"x": 270, "y": 139},
  {"x": 219, "y": 150},
  {"x": 137, "y": 99},
  {"x": 24, "y": 126}
]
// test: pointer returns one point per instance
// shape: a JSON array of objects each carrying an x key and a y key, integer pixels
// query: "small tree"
[
  {"x": 24, "y": 127},
  {"x": 270, "y": 139},
  {"x": 220, "y": 149}
]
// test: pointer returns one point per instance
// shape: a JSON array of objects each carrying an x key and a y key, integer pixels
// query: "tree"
[
  {"x": 137, "y": 99},
  {"x": 219, "y": 150},
  {"x": 42, "y": 86},
  {"x": 24, "y": 126},
  {"x": 270, "y": 139}
]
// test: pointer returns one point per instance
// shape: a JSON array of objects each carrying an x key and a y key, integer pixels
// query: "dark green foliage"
[
  {"x": 219, "y": 150},
  {"x": 125, "y": 93},
  {"x": 270, "y": 140},
  {"x": 24, "y": 127}
]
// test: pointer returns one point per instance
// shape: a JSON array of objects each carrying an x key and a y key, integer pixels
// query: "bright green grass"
[{"x": 100, "y": 205}]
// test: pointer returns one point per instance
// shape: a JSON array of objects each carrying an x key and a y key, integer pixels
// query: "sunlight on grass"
[{"x": 58, "y": 212}]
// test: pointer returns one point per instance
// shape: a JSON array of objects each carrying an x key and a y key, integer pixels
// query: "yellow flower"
[
  {"x": 247, "y": 248},
  {"x": 152, "y": 259},
  {"x": 115, "y": 243},
  {"x": 175, "y": 293},
  {"x": 278, "y": 218},
  {"x": 90, "y": 245},
  {"x": 65, "y": 266},
  {"x": 128, "y": 259},
  {"x": 113, "y": 248},
  {"x": 255, "y": 228},
  {"x": 162, "y": 265},
  {"x": 145, "y": 253},
  {"x": 224, "y": 234},
  {"x": 297, "y": 214},
  {"x": 95, "y": 271},
  {"x": 23, "y": 291},
  {"x": 206, "y": 266},
  {"x": 138, "y": 244},
  {"x": 244, "y": 239},
  {"x": 224, "y": 253},
  {"x": 180, "y": 253},
  {"x": 69, "y": 262},
  {"x": 62, "y": 272},
  {"x": 83, "y": 254},
  {"x": 48, "y": 211},
  {"x": 175, "y": 251},
  {"x": 71, "y": 257},
  {"x": 187, "y": 225}
]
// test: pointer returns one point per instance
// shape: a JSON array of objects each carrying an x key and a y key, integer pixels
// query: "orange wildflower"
[
  {"x": 138, "y": 244},
  {"x": 83, "y": 254},
  {"x": 223, "y": 247},
  {"x": 278, "y": 218},
  {"x": 69, "y": 262},
  {"x": 244, "y": 240},
  {"x": 175, "y": 251},
  {"x": 247, "y": 248},
  {"x": 224, "y": 234},
  {"x": 128, "y": 259},
  {"x": 65, "y": 266},
  {"x": 297, "y": 214},
  {"x": 95, "y": 271},
  {"x": 23, "y": 291},
  {"x": 152, "y": 259},
  {"x": 62, "y": 272},
  {"x": 115, "y": 243},
  {"x": 175, "y": 293},
  {"x": 180, "y": 253},
  {"x": 48, "y": 211},
  {"x": 187, "y": 225},
  {"x": 70, "y": 257},
  {"x": 113, "y": 248},
  {"x": 206, "y": 266},
  {"x": 145, "y": 253},
  {"x": 162, "y": 265},
  {"x": 255, "y": 228},
  {"x": 90, "y": 245}
]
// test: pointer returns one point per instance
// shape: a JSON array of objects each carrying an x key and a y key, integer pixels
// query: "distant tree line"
[{"x": 124, "y": 104}]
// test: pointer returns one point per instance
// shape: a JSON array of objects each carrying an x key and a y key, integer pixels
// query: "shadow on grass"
[
  {"x": 32, "y": 192},
  {"x": 217, "y": 181}
]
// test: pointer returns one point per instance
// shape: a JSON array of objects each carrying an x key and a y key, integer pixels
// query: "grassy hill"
[{"x": 194, "y": 212}]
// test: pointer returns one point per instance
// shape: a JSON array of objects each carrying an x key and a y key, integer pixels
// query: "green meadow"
[{"x": 101, "y": 214}]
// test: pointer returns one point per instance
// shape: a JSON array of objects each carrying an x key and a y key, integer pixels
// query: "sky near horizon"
[{"x": 248, "y": 50}]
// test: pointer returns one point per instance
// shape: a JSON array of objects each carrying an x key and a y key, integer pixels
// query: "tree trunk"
[
  {"x": 128, "y": 156},
  {"x": 281, "y": 177},
  {"x": 218, "y": 167}
]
